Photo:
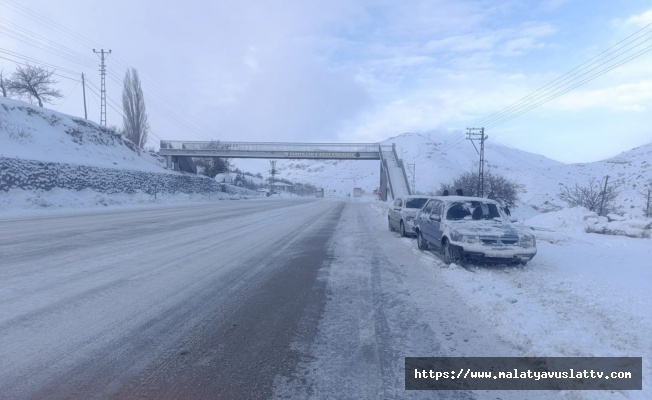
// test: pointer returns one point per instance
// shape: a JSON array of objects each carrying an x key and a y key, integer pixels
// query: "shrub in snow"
[
  {"x": 615, "y": 217},
  {"x": 19, "y": 134},
  {"x": 580, "y": 219},
  {"x": 621, "y": 228},
  {"x": 595, "y": 196}
]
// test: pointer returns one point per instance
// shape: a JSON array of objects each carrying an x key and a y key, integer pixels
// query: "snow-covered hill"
[
  {"x": 34, "y": 133},
  {"x": 53, "y": 161},
  {"x": 439, "y": 157}
]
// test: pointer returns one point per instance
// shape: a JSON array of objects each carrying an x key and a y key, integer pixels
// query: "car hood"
[{"x": 484, "y": 228}]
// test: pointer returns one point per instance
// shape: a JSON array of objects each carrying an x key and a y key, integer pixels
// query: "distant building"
[{"x": 283, "y": 187}]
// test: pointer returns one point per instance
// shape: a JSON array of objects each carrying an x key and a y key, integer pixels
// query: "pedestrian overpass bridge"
[{"x": 393, "y": 178}]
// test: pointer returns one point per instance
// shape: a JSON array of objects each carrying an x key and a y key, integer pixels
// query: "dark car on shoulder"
[{"x": 472, "y": 230}]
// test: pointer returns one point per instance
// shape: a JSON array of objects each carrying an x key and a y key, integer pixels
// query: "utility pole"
[
  {"x": 103, "y": 56},
  {"x": 273, "y": 172},
  {"x": 473, "y": 135},
  {"x": 84, "y": 91},
  {"x": 604, "y": 192}
]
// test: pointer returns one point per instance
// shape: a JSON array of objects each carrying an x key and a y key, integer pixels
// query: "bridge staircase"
[{"x": 393, "y": 177}]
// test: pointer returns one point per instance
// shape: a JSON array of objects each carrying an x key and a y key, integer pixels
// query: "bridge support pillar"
[
  {"x": 168, "y": 162},
  {"x": 383, "y": 189}
]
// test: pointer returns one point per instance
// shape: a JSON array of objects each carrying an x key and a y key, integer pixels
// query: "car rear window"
[
  {"x": 475, "y": 209},
  {"x": 416, "y": 203}
]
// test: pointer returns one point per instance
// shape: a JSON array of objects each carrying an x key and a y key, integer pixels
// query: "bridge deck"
[{"x": 364, "y": 151}]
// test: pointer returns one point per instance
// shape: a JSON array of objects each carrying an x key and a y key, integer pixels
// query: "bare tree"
[
  {"x": 3, "y": 83},
  {"x": 34, "y": 82},
  {"x": 594, "y": 196},
  {"x": 496, "y": 186},
  {"x": 647, "y": 195},
  {"x": 135, "y": 122}
]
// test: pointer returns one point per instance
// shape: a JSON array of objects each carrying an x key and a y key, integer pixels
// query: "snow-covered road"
[
  {"x": 269, "y": 298},
  {"x": 142, "y": 303}
]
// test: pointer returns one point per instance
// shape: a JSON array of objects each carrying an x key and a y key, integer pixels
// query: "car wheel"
[
  {"x": 421, "y": 243},
  {"x": 450, "y": 253},
  {"x": 402, "y": 229},
  {"x": 389, "y": 224}
]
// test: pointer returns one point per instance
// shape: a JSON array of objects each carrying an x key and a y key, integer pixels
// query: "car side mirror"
[{"x": 435, "y": 217}]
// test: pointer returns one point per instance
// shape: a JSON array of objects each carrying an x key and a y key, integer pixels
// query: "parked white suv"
[
  {"x": 472, "y": 229},
  {"x": 401, "y": 215}
]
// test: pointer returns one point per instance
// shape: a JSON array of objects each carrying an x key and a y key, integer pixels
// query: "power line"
[
  {"x": 115, "y": 106},
  {"x": 27, "y": 65},
  {"x": 448, "y": 147},
  {"x": 568, "y": 89},
  {"x": 167, "y": 112},
  {"x": 161, "y": 101},
  {"x": 46, "y": 22},
  {"x": 66, "y": 98},
  {"x": 33, "y": 39},
  {"x": 34, "y": 60},
  {"x": 609, "y": 59}
]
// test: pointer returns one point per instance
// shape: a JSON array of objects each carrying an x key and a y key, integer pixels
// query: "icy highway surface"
[{"x": 231, "y": 300}]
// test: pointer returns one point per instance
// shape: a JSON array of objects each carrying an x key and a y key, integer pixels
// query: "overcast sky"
[{"x": 353, "y": 71}]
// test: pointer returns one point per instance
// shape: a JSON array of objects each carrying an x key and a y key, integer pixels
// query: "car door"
[
  {"x": 436, "y": 220},
  {"x": 425, "y": 223}
]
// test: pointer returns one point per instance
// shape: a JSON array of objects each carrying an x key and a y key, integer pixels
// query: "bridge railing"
[{"x": 271, "y": 146}]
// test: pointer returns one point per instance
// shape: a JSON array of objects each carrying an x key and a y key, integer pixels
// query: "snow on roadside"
[
  {"x": 19, "y": 203},
  {"x": 584, "y": 294},
  {"x": 579, "y": 219}
]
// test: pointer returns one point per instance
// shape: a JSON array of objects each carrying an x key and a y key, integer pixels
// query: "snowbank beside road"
[
  {"x": 583, "y": 294},
  {"x": 579, "y": 219},
  {"x": 588, "y": 295}
]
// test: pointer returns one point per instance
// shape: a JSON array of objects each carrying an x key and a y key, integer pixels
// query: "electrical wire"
[
  {"x": 160, "y": 99},
  {"x": 66, "y": 97},
  {"x": 606, "y": 61},
  {"x": 44, "y": 44},
  {"x": 448, "y": 147},
  {"x": 30, "y": 59},
  {"x": 116, "y": 107},
  {"x": 27, "y": 65},
  {"x": 568, "y": 89}
]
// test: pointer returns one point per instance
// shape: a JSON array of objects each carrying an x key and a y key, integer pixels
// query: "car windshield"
[
  {"x": 415, "y": 203},
  {"x": 474, "y": 210}
]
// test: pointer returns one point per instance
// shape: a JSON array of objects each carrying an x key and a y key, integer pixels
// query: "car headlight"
[
  {"x": 528, "y": 241},
  {"x": 469, "y": 239}
]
